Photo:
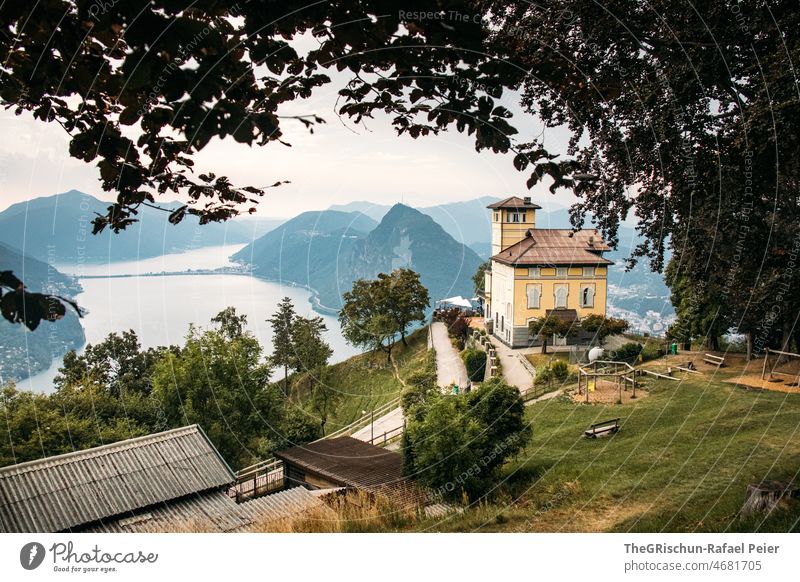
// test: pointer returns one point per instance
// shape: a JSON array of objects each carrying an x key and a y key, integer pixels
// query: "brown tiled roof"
[
  {"x": 348, "y": 462},
  {"x": 556, "y": 246},
  {"x": 513, "y": 202}
]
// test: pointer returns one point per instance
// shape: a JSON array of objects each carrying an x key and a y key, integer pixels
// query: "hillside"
[
  {"x": 328, "y": 250},
  {"x": 408, "y": 238},
  {"x": 681, "y": 462},
  {"x": 58, "y": 229},
  {"x": 312, "y": 250},
  {"x": 22, "y": 352}
]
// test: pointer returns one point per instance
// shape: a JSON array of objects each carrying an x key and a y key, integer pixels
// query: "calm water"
[{"x": 160, "y": 308}]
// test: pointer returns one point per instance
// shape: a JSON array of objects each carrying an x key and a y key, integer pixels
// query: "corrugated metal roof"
[
  {"x": 214, "y": 511},
  {"x": 62, "y": 492},
  {"x": 556, "y": 246},
  {"x": 348, "y": 462},
  {"x": 514, "y": 202}
]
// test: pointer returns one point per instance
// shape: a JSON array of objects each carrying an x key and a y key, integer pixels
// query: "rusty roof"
[
  {"x": 556, "y": 246},
  {"x": 348, "y": 462},
  {"x": 62, "y": 492},
  {"x": 214, "y": 511},
  {"x": 514, "y": 202}
]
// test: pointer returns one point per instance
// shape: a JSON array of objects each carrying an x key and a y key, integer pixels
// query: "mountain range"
[
  {"x": 23, "y": 352},
  {"x": 57, "y": 229},
  {"x": 327, "y": 250}
]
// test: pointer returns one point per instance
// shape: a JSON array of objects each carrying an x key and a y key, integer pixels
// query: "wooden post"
[{"x": 764, "y": 367}]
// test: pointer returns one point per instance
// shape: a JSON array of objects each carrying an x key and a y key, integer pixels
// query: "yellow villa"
[{"x": 540, "y": 271}]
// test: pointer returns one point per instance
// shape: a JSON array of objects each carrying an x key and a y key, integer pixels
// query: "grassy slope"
[
  {"x": 367, "y": 380},
  {"x": 681, "y": 462}
]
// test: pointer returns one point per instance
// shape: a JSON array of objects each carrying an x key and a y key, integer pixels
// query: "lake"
[{"x": 160, "y": 308}]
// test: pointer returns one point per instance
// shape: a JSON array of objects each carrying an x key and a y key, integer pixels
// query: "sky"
[{"x": 339, "y": 163}]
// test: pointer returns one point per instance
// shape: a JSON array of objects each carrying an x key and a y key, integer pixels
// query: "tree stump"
[{"x": 765, "y": 496}]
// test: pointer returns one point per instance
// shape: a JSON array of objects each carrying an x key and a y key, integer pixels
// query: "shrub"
[
  {"x": 560, "y": 370},
  {"x": 557, "y": 370},
  {"x": 653, "y": 350},
  {"x": 628, "y": 351},
  {"x": 459, "y": 330},
  {"x": 475, "y": 361}
]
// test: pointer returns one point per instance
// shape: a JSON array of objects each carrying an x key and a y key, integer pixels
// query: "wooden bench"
[
  {"x": 603, "y": 428},
  {"x": 718, "y": 361}
]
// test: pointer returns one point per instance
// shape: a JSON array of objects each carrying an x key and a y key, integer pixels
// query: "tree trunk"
[
  {"x": 749, "y": 341},
  {"x": 285, "y": 380},
  {"x": 786, "y": 336},
  {"x": 544, "y": 345},
  {"x": 403, "y": 337}
]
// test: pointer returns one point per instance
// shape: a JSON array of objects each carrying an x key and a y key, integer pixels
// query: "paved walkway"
[
  {"x": 449, "y": 365},
  {"x": 514, "y": 371},
  {"x": 388, "y": 423}
]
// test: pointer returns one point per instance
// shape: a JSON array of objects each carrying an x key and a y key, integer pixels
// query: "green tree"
[
  {"x": 548, "y": 326},
  {"x": 219, "y": 382},
  {"x": 282, "y": 345},
  {"x": 479, "y": 278},
  {"x": 311, "y": 355},
  {"x": 457, "y": 444},
  {"x": 404, "y": 299},
  {"x": 602, "y": 326},
  {"x": 118, "y": 363},
  {"x": 375, "y": 312},
  {"x": 75, "y": 417}
]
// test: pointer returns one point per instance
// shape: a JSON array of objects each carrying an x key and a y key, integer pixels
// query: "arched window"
[
  {"x": 534, "y": 296},
  {"x": 587, "y": 297},
  {"x": 561, "y": 297}
]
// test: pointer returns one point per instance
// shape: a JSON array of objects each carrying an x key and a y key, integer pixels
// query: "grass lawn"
[
  {"x": 368, "y": 380},
  {"x": 681, "y": 462},
  {"x": 544, "y": 359}
]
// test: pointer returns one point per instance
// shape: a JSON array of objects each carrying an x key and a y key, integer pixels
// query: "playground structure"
[
  {"x": 778, "y": 363},
  {"x": 618, "y": 373}
]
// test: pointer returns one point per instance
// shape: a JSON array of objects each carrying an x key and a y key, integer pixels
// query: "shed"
[
  {"x": 64, "y": 492},
  {"x": 342, "y": 462}
]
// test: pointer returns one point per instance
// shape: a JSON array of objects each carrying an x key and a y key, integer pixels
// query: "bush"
[
  {"x": 419, "y": 386},
  {"x": 627, "y": 352},
  {"x": 459, "y": 331},
  {"x": 475, "y": 361},
  {"x": 557, "y": 370},
  {"x": 560, "y": 370},
  {"x": 653, "y": 350}
]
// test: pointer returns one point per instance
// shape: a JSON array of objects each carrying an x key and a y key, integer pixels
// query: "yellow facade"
[
  {"x": 509, "y": 227},
  {"x": 547, "y": 295}
]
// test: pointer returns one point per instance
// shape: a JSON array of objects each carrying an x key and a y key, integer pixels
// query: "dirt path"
[
  {"x": 449, "y": 365},
  {"x": 514, "y": 371}
]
